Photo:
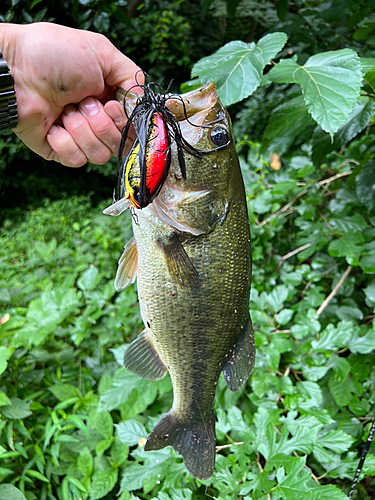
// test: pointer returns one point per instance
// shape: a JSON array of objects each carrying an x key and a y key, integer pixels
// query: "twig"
[
  {"x": 334, "y": 291},
  {"x": 364, "y": 94},
  {"x": 334, "y": 177},
  {"x": 290, "y": 254},
  {"x": 284, "y": 209},
  {"x": 223, "y": 446}
]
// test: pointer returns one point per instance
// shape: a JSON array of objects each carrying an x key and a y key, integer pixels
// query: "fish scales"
[{"x": 193, "y": 278}]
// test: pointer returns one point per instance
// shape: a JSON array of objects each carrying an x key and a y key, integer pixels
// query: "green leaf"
[
  {"x": 357, "y": 121},
  {"x": 130, "y": 431},
  {"x": 367, "y": 64},
  {"x": 370, "y": 78},
  {"x": 330, "y": 84},
  {"x": 119, "y": 452},
  {"x": 103, "y": 446},
  {"x": 4, "y": 400},
  {"x": 85, "y": 462},
  {"x": 37, "y": 475},
  {"x": 135, "y": 474},
  {"x": 89, "y": 279},
  {"x": 79, "y": 423},
  {"x": 237, "y": 67},
  {"x": 5, "y": 354},
  {"x": 336, "y": 441},
  {"x": 342, "y": 391},
  {"x": 364, "y": 344},
  {"x": 65, "y": 391},
  {"x": 333, "y": 338},
  {"x": 123, "y": 385},
  {"x": 10, "y": 492},
  {"x": 17, "y": 409},
  {"x": 350, "y": 246},
  {"x": 355, "y": 223},
  {"x": 365, "y": 186},
  {"x": 103, "y": 423},
  {"x": 288, "y": 119},
  {"x": 103, "y": 481}
]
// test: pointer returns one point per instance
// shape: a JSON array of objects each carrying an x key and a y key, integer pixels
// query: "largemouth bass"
[{"x": 191, "y": 255}]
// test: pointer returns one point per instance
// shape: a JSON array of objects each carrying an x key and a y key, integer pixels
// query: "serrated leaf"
[
  {"x": 342, "y": 391},
  {"x": 85, "y": 462},
  {"x": 122, "y": 387},
  {"x": 103, "y": 423},
  {"x": 135, "y": 474},
  {"x": 237, "y": 67},
  {"x": 119, "y": 452},
  {"x": 336, "y": 441},
  {"x": 330, "y": 84},
  {"x": 8, "y": 491},
  {"x": 130, "y": 431},
  {"x": 367, "y": 64},
  {"x": 103, "y": 481},
  {"x": 17, "y": 409}
]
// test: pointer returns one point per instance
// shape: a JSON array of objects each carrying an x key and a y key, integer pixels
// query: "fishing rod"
[{"x": 362, "y": 459}]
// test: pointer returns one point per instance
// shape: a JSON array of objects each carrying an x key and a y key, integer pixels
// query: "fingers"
[{"x": 89, "y": 133}]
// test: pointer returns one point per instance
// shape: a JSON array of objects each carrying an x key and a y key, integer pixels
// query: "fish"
[{"x": 191, "y": 255}]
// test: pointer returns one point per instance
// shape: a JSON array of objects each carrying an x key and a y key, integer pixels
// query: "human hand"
[{"x": 64, "y": 81}]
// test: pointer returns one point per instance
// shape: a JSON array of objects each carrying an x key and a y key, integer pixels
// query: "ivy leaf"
[
  {"x": 330, "y": 84},
  {"x": 103, "y": 481},
  {"x": 350, "y": 246},
  {"x": 333, "y": 338},
  {"x": 8, "y": 491},
  {"x": 237, "y": 67},
  {"x": 364, "y": 344},
  {"x": 130, "y": 431}
]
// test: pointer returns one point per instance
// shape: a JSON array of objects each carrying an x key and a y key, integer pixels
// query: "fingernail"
[
  {"x": 53, "y": 130},
  {"x": 70, "y": 110},
  {"x": 90, "y": 108}
]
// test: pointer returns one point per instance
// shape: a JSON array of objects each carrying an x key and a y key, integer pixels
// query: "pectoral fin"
[
  {"x": 142, "y": 358},
  {"x": 127, "y": 266},
  {"x": 117, "y": 208},
  {"x": 179, "y": 265},
  {"x": 241, "y": 362}
]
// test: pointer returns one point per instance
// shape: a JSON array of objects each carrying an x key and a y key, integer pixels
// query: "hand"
[{"x": 64, "y": 80}]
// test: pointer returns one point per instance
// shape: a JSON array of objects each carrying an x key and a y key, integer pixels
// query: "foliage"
[{"x": 72, "y": 421}]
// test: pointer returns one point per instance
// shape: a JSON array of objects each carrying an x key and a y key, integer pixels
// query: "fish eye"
[{"x": 219, "y": 136}]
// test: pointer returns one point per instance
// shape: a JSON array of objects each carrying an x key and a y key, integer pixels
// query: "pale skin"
[{"x": 64, "y": 81}]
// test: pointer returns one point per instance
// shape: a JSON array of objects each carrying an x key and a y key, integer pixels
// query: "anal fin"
[
  {"x": 127, "y": 266},
  {"x": 142, "y": 358},
  {"x": 240, "y": 363}
]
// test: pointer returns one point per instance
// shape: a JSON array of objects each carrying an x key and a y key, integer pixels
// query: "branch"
[
  {"x": 290, "y": 254},
  {"x": 364, "y": 94},
  {"x": 334, "y": 291},
  {"x": 284, "y": 209}
]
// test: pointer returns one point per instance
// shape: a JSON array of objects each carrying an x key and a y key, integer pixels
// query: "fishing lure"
[{"x": 142, "y": 173}]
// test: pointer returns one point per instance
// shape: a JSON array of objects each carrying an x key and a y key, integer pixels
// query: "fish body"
[{"x": 191, "y": 255}]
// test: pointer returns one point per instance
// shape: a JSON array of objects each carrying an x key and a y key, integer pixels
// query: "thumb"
[{"x": 120, "y": 71}]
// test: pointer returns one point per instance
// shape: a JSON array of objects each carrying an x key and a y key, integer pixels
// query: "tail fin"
[{"x": 194, "y": 441}]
